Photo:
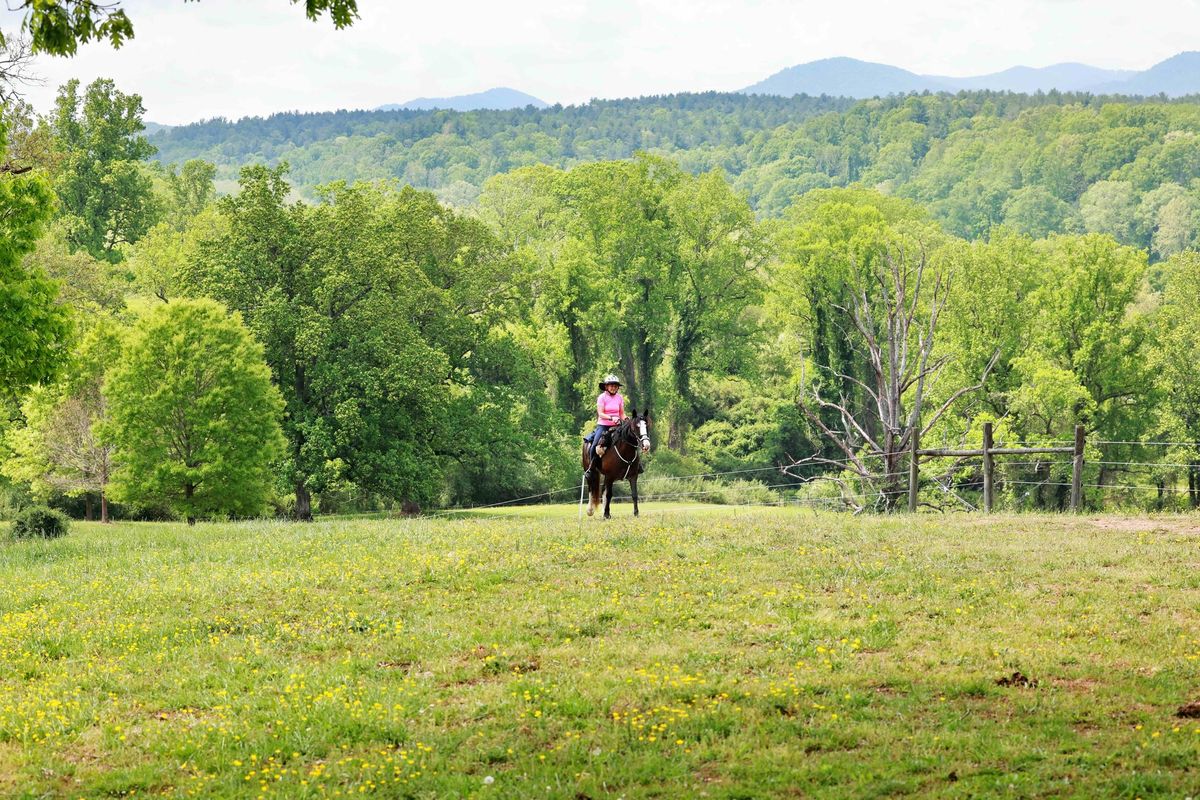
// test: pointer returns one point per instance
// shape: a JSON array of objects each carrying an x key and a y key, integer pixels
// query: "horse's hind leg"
[{"x": 593, "y": 495}]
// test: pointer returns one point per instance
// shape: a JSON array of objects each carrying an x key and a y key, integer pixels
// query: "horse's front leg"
[
  {"x": 608, "y": 489},
  {"x": 633, "y": 491}
]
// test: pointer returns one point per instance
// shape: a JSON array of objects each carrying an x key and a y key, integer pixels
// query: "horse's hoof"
[{"x": 591, "y": 511}]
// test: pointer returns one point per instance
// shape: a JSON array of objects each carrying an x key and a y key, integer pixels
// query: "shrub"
[{"x": 39, "y": 522}]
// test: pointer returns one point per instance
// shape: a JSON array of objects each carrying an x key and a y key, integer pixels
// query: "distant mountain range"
[
  {"x": 849, "y": 77},
  {"x": 499, "y": 98}
]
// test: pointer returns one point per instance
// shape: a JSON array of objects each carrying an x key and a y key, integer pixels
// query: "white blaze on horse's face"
[{"x": 645, "y": 436}]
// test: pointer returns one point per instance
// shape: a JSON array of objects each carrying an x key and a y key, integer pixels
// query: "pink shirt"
[{"x": 612, "y": 404}]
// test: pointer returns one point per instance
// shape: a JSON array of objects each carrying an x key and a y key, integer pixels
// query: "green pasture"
[{"x": 694, "y": 652}]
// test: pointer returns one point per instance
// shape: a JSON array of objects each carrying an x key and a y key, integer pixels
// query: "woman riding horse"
[
  {"x": 622, "y": 441},
  {"x": 610, "y": 410}
]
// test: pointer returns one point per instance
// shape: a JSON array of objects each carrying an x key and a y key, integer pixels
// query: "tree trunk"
[
  {"x": 303, "y": 503},
  {"x": 87, "y": 506},
  {"x": 683, "y": 415},
  {"x": 569, "y": 399},
  {"x": 103, "y": 507},
  {"x": 629, "y": 368},
  {"x": 188, "y": 491}
]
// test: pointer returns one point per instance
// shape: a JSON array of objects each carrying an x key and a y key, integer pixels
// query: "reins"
[{"x": 624, "y": 429}]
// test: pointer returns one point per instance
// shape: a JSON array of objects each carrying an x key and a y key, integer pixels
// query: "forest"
[
  {"x": 1039, "y": 163},
  {"x": 362, "y": 311}
]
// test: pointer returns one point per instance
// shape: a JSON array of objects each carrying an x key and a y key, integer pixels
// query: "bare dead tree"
[
  {"x": 16, "y": 68},
  {"x": 79, "y": 462},
  {"x": 895, "y": 302}
]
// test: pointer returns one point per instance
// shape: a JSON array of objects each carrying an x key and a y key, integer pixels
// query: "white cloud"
[{"x": 240, "y": 57}]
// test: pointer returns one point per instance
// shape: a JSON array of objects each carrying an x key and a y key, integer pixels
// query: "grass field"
[{"x": 690, "y": 653}]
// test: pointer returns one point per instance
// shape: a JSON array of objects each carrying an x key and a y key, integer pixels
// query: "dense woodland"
[
  {"x": 1035, "y": 163},
  {"x": 371, "y": 310}
]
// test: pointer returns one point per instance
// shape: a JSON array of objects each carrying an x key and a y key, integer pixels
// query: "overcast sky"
[{"x": 235, "y": 58}]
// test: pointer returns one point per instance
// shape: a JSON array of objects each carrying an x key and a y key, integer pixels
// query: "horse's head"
[{"x": 640, "y": 424}]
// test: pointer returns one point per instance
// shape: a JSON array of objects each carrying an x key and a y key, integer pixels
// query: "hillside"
[
  {"x": 1174, "y": 77},
  {"x": 846, "y": 77},
  {"x": 1178, "y": 75},
  {"x": 499, "y": 98},
  {"x": 976, "y": 159},
  {"x": 1063, "y": 77}
]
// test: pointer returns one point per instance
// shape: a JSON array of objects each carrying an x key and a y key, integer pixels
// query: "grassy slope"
[{"x": 695, "y": 653}]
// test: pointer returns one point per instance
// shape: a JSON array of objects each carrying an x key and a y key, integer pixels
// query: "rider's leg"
[{"x": 594, "y": 440}]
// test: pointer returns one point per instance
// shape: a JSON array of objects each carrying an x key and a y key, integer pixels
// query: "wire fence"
[{"x": 857, "y": 501}]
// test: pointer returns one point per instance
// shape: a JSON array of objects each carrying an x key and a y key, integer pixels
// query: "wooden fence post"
[
  {"x": 1077, "y": 471},
  {"x": 914, "y": 468},
  {"x": 989, "y": 465}
]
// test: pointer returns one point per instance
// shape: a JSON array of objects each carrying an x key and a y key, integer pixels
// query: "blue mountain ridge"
[
  {"x": 499, "y": 98},
  {"x": 850, "y": 77}
]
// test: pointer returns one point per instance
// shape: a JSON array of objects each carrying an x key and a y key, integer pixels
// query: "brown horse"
[{"x": 620, "y": 457}]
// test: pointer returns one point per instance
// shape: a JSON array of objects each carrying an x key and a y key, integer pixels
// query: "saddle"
[{"x": 601, "y": 445}]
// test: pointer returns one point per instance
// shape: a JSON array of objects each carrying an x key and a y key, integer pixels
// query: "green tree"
[
  {"x": 157, "y": 261},
  {"x": 1175, "y": 226},
  {"x": 988, "y": 314},
  {"x": 621, "y": 224},
  {"x": 1176, "y": 357},
  {"x": 639, "y": 265},
  {"x": 194, "y": 419},
  {"x": 58, "y": 448},
  {"x": 1089, "y": 326},
  {"x": 722, "y": 253},
  {"x": 34, "y": 328},
  {"x": 379, "y": 312},
  {"x": 107, "y": 198},
  {"x": 1110, "y": 207},
  {"x": 1034, "y": 211},
  {"x": 89, "y": 287},
  {"x": 58, "y": 27},
  {"x": 191, "y": 191}
]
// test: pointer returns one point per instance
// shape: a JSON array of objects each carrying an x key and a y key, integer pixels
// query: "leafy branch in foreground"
[{"x": 58, "y": 27}]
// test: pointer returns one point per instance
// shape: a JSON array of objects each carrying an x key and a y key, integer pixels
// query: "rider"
[{"x": 610, "y": 410}]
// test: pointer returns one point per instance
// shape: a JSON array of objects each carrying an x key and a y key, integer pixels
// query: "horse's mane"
[{"x": 622, "y": 429}]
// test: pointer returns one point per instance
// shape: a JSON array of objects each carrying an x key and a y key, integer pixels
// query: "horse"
[{"x": 620, "y": 456}]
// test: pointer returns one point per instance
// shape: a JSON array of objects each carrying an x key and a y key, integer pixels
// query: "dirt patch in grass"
[
  {"x": 1146, "y": 525},
  {"x": 83, "y": 751},
  {"x": 168, "y": 714},
  {"x": 1189, "y": 710},
  {"x": 10, "y": 757},
  {"x": 1017, "y": 679},
  {"x": 1081, "y": 685},
  {"x": 393, "y": 665}
]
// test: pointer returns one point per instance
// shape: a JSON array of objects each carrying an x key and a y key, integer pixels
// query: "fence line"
[
  {"x": 990, "y": 450},
  {"x": 1165, "y": 444}
]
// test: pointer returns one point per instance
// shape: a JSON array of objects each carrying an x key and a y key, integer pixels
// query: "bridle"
[{"x": 639, "y": 441}]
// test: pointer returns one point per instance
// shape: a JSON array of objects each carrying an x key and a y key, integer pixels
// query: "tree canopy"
[
  {"x": 58, "y": 27},
  {"x": 194, "y": 418},
  {"x": 809, "y": 293}
]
